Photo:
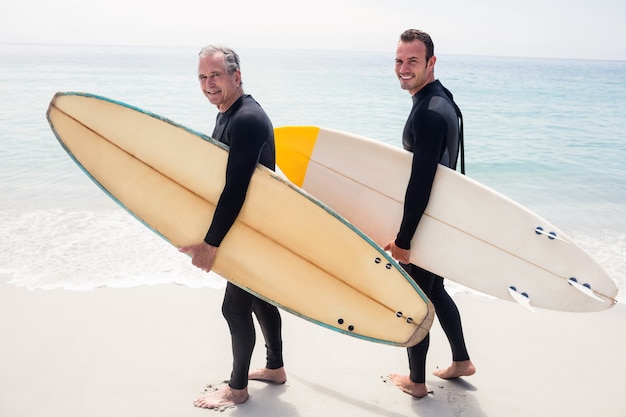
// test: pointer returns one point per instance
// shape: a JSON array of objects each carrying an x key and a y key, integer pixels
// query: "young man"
[
  {"x": 431, "y": 133},
  {"x": 245, "y": 127}
]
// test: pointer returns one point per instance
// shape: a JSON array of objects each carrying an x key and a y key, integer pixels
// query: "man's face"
[
  {"x": 412, "y": 69},
  {"x": 221, "y": 88}
]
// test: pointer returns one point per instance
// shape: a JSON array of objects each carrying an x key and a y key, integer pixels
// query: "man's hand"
[
  {"x": 399, "y": 254},
  {"x": 202, "y": 255}
]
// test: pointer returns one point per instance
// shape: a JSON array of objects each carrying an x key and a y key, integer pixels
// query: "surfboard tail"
[{"x": 424, "y": 327}]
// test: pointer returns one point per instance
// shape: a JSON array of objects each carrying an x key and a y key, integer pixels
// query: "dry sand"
[{"x": 151, "y": 350}]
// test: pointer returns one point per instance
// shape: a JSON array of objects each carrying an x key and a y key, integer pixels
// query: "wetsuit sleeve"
[
  {"x": 247, "y": 137},
  {"x": 429, "y": 133}
]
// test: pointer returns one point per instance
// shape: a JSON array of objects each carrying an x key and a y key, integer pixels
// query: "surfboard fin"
[
  {"x": 522, "y": 298},
  {"x": 585, "y": 289}
]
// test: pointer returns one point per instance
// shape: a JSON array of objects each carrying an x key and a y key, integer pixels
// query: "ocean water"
[{"x": 547, "y": 133}]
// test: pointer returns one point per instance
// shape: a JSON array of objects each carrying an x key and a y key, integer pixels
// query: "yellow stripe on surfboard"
[{"x": 293, "y": 156}]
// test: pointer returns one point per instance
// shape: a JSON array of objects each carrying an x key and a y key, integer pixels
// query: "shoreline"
[{"x": 151, "y": 350}]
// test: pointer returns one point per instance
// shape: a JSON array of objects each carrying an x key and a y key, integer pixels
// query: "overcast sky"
[{"x": 531, "y": 28}]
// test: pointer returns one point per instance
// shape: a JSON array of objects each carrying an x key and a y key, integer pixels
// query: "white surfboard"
[
  {"x": 469, "y": 233},
  {"x": 286, "y": 246}
]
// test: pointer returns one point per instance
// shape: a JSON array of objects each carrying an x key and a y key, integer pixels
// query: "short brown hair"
[{"x": 411, "y": 35}]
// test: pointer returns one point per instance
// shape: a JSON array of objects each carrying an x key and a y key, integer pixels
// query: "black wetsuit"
[
  {"x": 432, "y": 134},
  {"x": 248, "y": 131}
]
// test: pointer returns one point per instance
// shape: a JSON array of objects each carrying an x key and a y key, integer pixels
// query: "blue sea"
[{"x": 548, "y": 133}]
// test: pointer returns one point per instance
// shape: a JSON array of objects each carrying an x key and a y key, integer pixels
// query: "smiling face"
[
  {"x": 412, "y": 68},
  {"x": 221, "y": 88}
]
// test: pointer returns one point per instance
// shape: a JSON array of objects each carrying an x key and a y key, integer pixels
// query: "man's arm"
[
  {"x": 246, "y": 138},
  {"x": 429, "y": 142},
  {"x": 246, "y": 143}
]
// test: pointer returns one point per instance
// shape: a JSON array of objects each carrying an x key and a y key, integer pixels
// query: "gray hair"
[{"x": 231, "y": 59}]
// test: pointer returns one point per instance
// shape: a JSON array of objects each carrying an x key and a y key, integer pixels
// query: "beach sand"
[{"x": 151, "y": 350}]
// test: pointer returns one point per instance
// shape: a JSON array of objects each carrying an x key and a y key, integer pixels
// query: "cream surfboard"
[
  {"x": 286, "y": 246},
  {"x": 469, "y": 233}
]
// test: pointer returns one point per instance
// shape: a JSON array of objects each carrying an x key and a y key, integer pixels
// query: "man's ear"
[{"x": 431, "y": 62}]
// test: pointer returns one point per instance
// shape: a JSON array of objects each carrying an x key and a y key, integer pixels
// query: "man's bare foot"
[
  {"x": 222, "y": 398},
  {"x": 457, "y": 369},
  {"x": 273, "y": 376},
  {"x": 405, "y": 384}
]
